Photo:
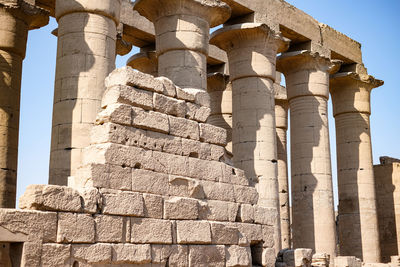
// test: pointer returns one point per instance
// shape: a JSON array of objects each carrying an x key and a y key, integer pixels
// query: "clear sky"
[{"x": 375, "y": 24}]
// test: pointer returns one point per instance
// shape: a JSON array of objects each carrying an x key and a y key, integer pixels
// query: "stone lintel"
[
  {"x": 214, "y": 11},
  {"x": 34, "y": 16},
  {"x": 107, "y": 8}
]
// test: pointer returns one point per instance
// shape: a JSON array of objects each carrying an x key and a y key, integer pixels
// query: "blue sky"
[{"x": 375, "y": 24}]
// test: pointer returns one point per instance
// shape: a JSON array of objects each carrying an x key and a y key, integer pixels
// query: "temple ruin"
[{"x": 180, "y": 158}]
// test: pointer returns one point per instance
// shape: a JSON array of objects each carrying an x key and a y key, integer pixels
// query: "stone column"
[
  {"x": 146, "y": 61},
  {"x": 87, "y": 33},
  {"x": 16, "y": 18},
  {"x": 220, "y": 91},
  {"x": 251, "y": 50},
  {"x": 182, "y": 37},
  {"x": 281, "y": 117},
  {"x": 357, "y": 219},
  {"x": 307, "y": 84}
]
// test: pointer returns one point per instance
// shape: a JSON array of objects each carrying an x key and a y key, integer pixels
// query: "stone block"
[
  {"x": 245, "y": 194},
  {"x": 169, "y": 88},
  {"x": 149, "y": 182},
  {"x": 150, "y": 120},
  {"x": 110, "y": 229},
  {"x": 169, "y": 105},
  {"x": 173, "y": 255},
  {"x": 213, "y": 134},
  {"x": 153, "y": 206},
  {"x": 128, "y": 76},
  {"x": 35, "y": 225},
  {"x": 115, "y": 113},
  {"x": 118, "y": 155},
  {"x": 320, "y": 259},
  {"x": 218, "y": 191},
  {"x": 122, "y": 203},
  {"x": 238, "y": 256},
  {"x": 55, "y": 255},
  {"x": 214, "y": 210},
  {"x": 246, "y": 213},
  {"x": 269, "y": 236},
  {"x": 205, "y": 169},
  {"x": 302, "y": 257},
  {"x": 252, "y": 232},
  {"x": 201, "y": 97},
  {"x": 92, "y": 254},
  {"x": 224, "y": 234},
  {"x": 51, "y": 198},
  {"x": 183, "y": 128},
  {"x": 131, "y": 254},
  {"x": 178, "y": 208},
  {"x": 106, "y": 176},
  {"x": 171, "y": 164},
  {"x": 193, "y": 232},
  {"x": 154, "y": 231},
  {"x": 207, "y": 256},
  {"x": 347, "y": 261},
  {"x": 182, "y": 94},
  {"x": 268, "y": 257},
  {"x": 127, "y": 95},
  {"x": 266, "y": 216},
  {"x": 75, "y": 228},
  {"x": 92, "y": 199},
  {"x": 163, "y": 142},
  {"x": 196, "y": 149},
  {"x": 33, "y": 252},
  {"x": 233, "y": 175},
  {"x": 217, "y": 152},
  {"x": 185, "y": 187},
  {"x": 197, "y": 112}
]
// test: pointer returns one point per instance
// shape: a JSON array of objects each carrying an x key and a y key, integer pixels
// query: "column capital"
[
  {"x": 107, "y": 8},
  {"x": 230, "y": 37},
  {"x": 303, "y": 60},
  {"x": 251, "y": 49},
  {"x": 351, "y": 92},
  {"x": 35, "y": 17},
  {"x": 215, "y": 12},
  {"x": 306, "y": 72}
]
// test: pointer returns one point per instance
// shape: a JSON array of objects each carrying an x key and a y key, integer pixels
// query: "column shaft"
[
  {"x": 85, "y": 56},
  {"x": 357, "y": 220},
  {"x": 182, "y": 37},
  {"x": 307, "y": 82},
  {"x": 220, "y": 91},
  {"x": 14, "y": 26},
  {"x": 251, "y": 50},
  {"x": 281, "y": 116}
]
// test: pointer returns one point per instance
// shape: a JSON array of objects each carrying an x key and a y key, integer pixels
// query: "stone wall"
[
  {"x": 387, "y": 179},
  {"x": 153, "y": 190}
]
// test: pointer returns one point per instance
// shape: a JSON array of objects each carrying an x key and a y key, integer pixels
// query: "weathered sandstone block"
[
  {"x": 110, "y": 229},
  {"x": 214, "y": 210},
  {"x": 153, "y": 206},
  {"x": 169, "y": 105},
  {"x": 193, "y": 232},
  {"x": 128, "y": 95},
  {"x": 218, "y": 191},
  {"x": 75, "y": 228},
  {"x": 238, "y": 256},
  {"x": 55, "y": 255},
  {"x": 246, "y": 213},
  {"x": 115, "y": 113},
  {"x": 152, "y": 231},
  {"x": 131, "y": 254},
  {"x": 92, "y": 254},
  {"x": 122, "y": 203},
  {"x": 149, "y": 182},
  {"x": 185, "y": 187},
  {"x": 205, "y": 169},
  {"x": 175, "y": 255},
  {"x": 51, "y": 197},
  {"x": 181, "y": 209},
  {"x": 207, "y": 256},
  {"x": 213, "y": 134},
  {"x": 197, "y": 112},
  {"x": 150, "y": 120},
  {"x": 222, "y": 234},
  {"x": 183, "y": 128}
]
